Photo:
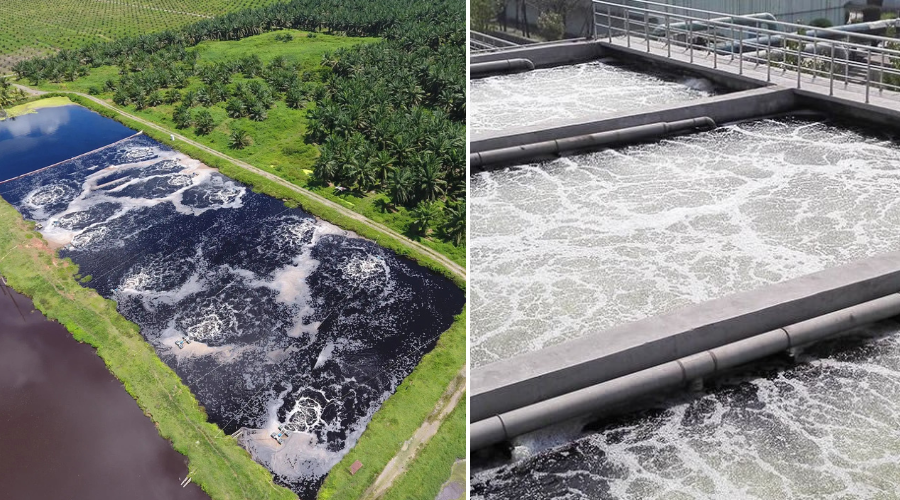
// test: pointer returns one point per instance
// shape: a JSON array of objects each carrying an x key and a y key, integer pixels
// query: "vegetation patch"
[
  {"x": 33, "y": 106},
  {"x": 217, "y": 463},
  {"x": 439, "y": 461},
  {"x": 41, "y": 27},
  {"x": 388, "y": 116}
]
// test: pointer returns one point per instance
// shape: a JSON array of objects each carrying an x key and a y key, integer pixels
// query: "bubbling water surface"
[
  {"x": 589, "y": 242},
  {"x": 550, "y": 96},
  {"x": 283, "y": 320}
]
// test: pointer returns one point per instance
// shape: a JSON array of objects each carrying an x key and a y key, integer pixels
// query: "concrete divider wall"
[
  {"x": 598, "y": 357},
  {"x": 722, "y": 109},
  {"x": 611, "y": 396},
  {"x": 547, "y": 55}
]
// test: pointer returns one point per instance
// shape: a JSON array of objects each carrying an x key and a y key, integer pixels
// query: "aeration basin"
[{"x": 546, "y": 97}]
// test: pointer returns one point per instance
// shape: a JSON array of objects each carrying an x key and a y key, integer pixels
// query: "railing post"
[
  {"x": 626, "y": 22},
  {"x": 715, "y": 49},
  {"x": 799, "y": 57},
  {"x": 732, "y": 40},
  {"x": 741, "y": 51},
  {"x": 647, "y": 29},
  {"x": 668, "y": 38},
  {"x": 609, "y": 21},
  {"x": 690, "y": 39},
  {"x": 831, "y": 71},
  {"x": 769, "y": 59},
  {"x": 881, "y": 74},
  {"x": 868, "y": 71},
  {"x": 847, "y": 68}
]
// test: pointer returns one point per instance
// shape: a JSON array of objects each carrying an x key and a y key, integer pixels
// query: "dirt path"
[
  {"x": 411, "y": 448},
  {"x": 449, "y": 264}
]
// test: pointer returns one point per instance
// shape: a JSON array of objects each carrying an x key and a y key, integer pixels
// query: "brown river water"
[{"x": 68, "y": 429}]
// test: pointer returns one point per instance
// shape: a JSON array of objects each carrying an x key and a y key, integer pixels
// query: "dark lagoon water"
[
  {"x": 52, "y": 135},
  {"x": 69, "y": 429},
  {"x": 287, "y": 321}
]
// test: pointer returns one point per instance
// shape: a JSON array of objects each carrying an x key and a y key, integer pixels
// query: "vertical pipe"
[
  {"x": 647, "y": 29},
  {"x": 732, "y": 39},
  {"x": 668, "y": 38},
  {"x": 715, "y": 48},
  {"x": 741, "y": 53},
  {"x": 691, "y": 39},
  {"x": 609, "y": 21},
  {"x": 626, "y": 21},
  {"x": 868, "y": 71},
  {"x": 769, "y": 59},
  {"x": 881, "y": 75},
  {"x": 847, "y": 67},
  {"x": 799, "y": 56},
  {"x": 831, "y": 75}
]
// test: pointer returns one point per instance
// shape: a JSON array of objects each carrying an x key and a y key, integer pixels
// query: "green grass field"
[
  {"x": 38, "y": 27},
  {"x": 277, "y": 143},
  {"x": 437, "y": 461}
]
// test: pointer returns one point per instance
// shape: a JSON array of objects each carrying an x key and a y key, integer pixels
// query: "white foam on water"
[
  {"x": 222, "y": 193},
  {"x": 594, "y": 241},
  {"x": 550, "y": 96}
]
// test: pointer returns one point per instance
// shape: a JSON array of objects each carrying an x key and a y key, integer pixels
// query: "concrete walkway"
[{"x": 412, "y": 447}]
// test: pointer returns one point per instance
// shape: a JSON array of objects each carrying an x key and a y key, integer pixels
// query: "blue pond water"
[
  {"x": 291, "y": 321},
  {"x": 52, "y": 135}
]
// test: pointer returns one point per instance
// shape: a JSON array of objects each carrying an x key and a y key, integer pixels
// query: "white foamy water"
[
  {"x": 550, "y": 96},
  {"x": 589, "y": 242},
  {"x": 827, "y": 427}
]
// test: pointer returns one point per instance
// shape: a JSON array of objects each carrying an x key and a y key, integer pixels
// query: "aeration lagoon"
[{"x": 280, "y": 323}]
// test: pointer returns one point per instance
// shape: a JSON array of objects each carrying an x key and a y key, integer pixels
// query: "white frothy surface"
[
  {"x": 589, "y": 242},
  {"x": 549, "y": 96}
]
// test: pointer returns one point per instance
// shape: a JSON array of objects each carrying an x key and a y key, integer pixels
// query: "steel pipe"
[
  {"x": 556, "y": 147},
  {"x": 603, "y": 396},
  {"x": 502, "y": 67}
]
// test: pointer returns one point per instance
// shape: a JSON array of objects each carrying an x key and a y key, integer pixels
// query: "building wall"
[{"x": 795, "y": 11}]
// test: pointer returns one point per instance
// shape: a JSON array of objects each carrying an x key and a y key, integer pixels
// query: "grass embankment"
[
  {"x": 221, "y": 467},
  {"x": 399, "y": 418},
  {"x": 33, "y": 106},
  {"x": 436, "y": 462},
  {"x": 417, "y": 396},
  {"x": 278, "y": 145}
]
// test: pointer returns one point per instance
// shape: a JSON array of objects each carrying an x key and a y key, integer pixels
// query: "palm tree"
[
  {"x": 182, "y": 116},
  {"x": 239, "y": 138},
  {"x": 203, "y": 121},
  {"x": 455, "y": 226},
  {"x": 424, "y": 215},
  {"x": 401, "y": 186},
  {"x": 431, "y": 183}
]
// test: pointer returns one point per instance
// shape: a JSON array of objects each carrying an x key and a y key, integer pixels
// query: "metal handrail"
[
  {"x": 785, "y": 34},
  {"x": 749, "y": 18},
  {"x": 636, "y": 20}
]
